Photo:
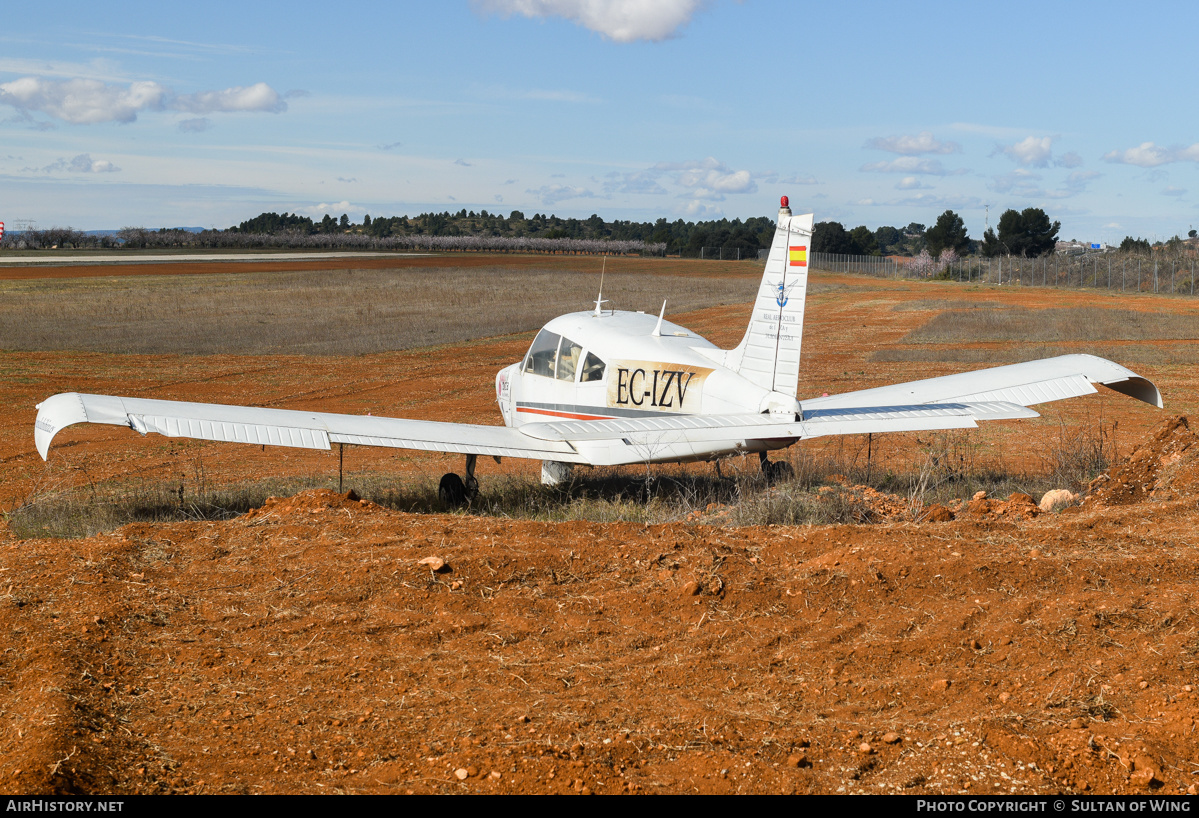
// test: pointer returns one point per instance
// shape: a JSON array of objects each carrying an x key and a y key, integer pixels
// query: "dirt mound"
[
  {"x": 875, "y": 506},
  {"x": 1018, "y": 506},
  {"x": 1165, "y": 467},
  {"x": 309, "y": 502}
]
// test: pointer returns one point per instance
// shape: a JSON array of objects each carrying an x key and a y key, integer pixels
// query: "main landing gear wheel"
[
  {"x": 454, "y": 491},
  {"x": 776, "y": 471}
]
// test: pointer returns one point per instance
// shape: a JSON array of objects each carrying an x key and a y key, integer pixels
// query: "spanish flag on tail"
[{"x": 797, "y": 256}]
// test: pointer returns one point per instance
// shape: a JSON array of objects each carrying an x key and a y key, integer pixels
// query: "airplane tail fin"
[{"x": 768, "y": 355}]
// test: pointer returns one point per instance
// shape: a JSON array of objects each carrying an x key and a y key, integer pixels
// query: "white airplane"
[{"x": 605, "y": 388}]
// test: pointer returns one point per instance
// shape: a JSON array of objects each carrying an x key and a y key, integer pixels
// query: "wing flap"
[{"x": 231, "y": 432}]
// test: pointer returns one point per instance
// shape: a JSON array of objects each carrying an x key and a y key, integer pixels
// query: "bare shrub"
[{"x": 1080, "y": 454}]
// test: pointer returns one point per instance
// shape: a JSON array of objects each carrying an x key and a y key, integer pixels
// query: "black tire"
[
  {"x": 452, "y": 491},
  {"x": 776, "y": 471}
]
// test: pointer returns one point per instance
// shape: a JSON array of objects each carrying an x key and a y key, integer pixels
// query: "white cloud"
[
  {"x": 709, "y": 178},
  {"x": 697, "y": 209},
  {"x": 624, "y": 21},
  {"x": 463, "y": 163},
  {"x": 552, "y": 194},
  {"x": 1149, "y": 155},
  {"x": 89, "y": 101},
  {"x": 195, "y": 125},
  {"x": 1069, "y": 160},
  {"x": 324, "y": 209},
  {"x": 1174, "y": 191},
  {"x": 83, "y": 163},
  {"x": 1032, "y": 151},
  {"x": 911, "y": 183},
  {"x": 909, "y": 164},
  {"x": 923, "y": 142},
  {"x": 257, "y": 97},
  {"x": 633, "y": 182},
  {"x": 81, "y": 101}
]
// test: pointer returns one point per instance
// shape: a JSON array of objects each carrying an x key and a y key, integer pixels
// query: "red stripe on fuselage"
[{"x": 570, "y": 415}]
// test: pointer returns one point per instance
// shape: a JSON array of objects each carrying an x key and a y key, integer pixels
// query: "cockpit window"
[
  {"x": 540, "y": 360},
  {"x": 568, "y": 359},
  {"x": 593, "y": 369},
  {"x": 556, "y": 356}
]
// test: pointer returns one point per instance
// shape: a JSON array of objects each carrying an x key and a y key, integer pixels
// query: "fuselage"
[{"x": 589, "y": 366}]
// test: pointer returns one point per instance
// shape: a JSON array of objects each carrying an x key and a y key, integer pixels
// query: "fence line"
[{"x": 1126, "y": 272}]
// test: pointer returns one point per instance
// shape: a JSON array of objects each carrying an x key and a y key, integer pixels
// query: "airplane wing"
[
  {"x": 1025, "y": 384},
  {"x": 597, "y": 442},
  {"x": 286, "y": 427},
  {"x": 949, "y": 402}
]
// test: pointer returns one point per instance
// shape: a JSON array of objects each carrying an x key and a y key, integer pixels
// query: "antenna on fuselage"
[
  {"x": 600, "y": 298},
  {"x": 657, "y": 333}
]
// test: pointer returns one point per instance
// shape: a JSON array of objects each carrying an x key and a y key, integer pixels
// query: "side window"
[
  {"x": 568, "y": 359},
  {"x": 540, "y": 360},
  {"x": 593, "y": 369}
]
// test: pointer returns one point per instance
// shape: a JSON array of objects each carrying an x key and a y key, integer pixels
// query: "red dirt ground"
[{"x": 308, "y": 646}]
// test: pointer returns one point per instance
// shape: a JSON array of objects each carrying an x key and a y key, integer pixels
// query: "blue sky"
[{"x": 863, "y": 112}]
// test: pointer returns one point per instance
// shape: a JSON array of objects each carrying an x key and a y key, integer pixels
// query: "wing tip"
[{"x": 54, "y": 414}]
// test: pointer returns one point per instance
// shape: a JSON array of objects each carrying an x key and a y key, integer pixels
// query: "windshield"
[{"x": 540, "y": 360}]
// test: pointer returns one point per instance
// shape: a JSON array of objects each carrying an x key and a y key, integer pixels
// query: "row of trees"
[
  {"x": 1028, "y": 233},
  {"x": 677, "y": 236}
]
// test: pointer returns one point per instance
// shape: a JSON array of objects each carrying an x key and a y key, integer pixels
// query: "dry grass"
[
  {"x": 1068, "y": 324},
  {"x": 1131, "y": 354},
  {"x": 949, "y": 466},
  {"x": 989, "y": 333},
  {"x": 344, "y": 312}
]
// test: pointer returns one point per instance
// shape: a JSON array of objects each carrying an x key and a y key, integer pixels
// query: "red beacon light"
[{"x": 784, "y": 202}]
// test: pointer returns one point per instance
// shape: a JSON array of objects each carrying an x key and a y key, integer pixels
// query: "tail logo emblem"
[{"x": 784, "y": 293}]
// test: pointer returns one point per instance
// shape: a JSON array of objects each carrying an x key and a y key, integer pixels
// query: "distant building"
[{"x": 1080, "y": 248}]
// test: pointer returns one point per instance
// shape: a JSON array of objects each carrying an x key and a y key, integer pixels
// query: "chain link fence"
[
  {"x": 722, "y": 253},
  {"x": 1125, "y": 272}
]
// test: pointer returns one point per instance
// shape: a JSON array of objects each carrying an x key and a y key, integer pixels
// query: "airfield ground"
[{"x": 305, "y": 647}]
